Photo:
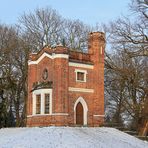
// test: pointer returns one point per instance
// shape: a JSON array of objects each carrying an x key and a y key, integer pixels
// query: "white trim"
[
  {"x": 29, "y": 116},
  {"x": 81, "y": 65},
  {"x": 101, "y": 50},
  {"x": 80, "y": 70},
  {"x": 37, "y": 115},
  {"x": 85, "y": 110},
  {"x": 60, "y": 114},
  {"x": 81, "y": 90},
  {"x": 50, "y": 109},
  {"x": 65, "y": 56},
  {"x": 34, "y": 104},
  {"x": 83, "y": 71},
  {"x": 53, "y": 56},
  {"x": 42, "y": 103},
  {"x": 53, "y": 114},
  {"x": 42, "y": 92},
  {"x": 99, "y": 115}
]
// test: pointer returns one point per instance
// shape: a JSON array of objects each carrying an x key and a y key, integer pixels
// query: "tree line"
[
  {"x": 126, "y": 67},
  {"x": 126, "y": 63}
]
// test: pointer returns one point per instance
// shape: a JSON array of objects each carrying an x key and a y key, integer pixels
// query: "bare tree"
[
  {"x": 42, "y": 26},
  {"x": 126, "y": 67},
  {"x": 140, "y": 7},
  {"x": 13, "y": 70},
  {"x": 75, "y": 34},
  {"x": 46, "y": 27}
]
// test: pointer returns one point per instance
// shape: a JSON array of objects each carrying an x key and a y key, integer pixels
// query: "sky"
[{"x": 91, "y": 12}]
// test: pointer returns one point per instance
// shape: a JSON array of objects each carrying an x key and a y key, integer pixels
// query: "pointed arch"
[{"x": 85, "y": 110}]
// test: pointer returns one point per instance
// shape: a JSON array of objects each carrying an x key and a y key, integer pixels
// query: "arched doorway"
[{"x": 79, "y": 114}]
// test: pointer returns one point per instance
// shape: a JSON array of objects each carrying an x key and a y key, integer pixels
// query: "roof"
[{"x": 74, "y": 56}]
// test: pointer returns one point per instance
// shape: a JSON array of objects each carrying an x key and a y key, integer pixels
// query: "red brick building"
[{"x": 66, "y": 88}]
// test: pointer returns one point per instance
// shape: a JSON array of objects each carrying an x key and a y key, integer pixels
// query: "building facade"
[{"x": 65, "y": 87}]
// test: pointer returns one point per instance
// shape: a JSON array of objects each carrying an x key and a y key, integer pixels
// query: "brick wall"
[{"x": 63, "y": 76}]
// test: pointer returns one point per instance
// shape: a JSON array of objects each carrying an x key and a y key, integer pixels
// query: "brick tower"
[{"x": 66, "y": 88}]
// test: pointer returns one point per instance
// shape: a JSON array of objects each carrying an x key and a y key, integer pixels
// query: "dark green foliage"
[{"x": 10, "y": 118}]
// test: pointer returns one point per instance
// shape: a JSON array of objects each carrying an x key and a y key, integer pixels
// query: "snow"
[{"x": 68, "y": 137}]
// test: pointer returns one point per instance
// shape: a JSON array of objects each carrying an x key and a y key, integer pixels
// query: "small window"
[
  {"x": 38, "y": 104},
  {"x": 47, "y": 99},
  {"x": 45, "y": 74},
  {"x": 81, "y": 75}
]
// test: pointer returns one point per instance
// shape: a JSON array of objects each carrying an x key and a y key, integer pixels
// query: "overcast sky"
[{"x": 88, "y": 11}]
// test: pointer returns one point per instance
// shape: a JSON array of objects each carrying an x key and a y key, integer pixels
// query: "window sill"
[
  {"x": 80, "y": 81},
  {"x": 36, "y": 115}
]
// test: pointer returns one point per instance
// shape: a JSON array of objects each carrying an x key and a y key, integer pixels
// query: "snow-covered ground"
[{"x": 68, "y": 137}]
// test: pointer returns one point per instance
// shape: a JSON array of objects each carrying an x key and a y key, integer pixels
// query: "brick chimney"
[{"x": 96, "y": 45}]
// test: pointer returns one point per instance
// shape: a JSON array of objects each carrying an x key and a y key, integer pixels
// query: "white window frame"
[
  {"x": 85, "y": 110},
  {"x": 42, "y": 92},
  {"x": 83, "y": 71},
  {"x": 45, "y": 104}
]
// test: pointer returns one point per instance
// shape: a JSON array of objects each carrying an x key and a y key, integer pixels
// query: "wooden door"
[{"x": 79, "y": 114}]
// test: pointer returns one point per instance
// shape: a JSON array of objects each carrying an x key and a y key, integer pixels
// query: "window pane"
[
  {"x": 80, "y": 76},
  {"x": 38, "y": 104},
  {"x": 47, "y": 99}
]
